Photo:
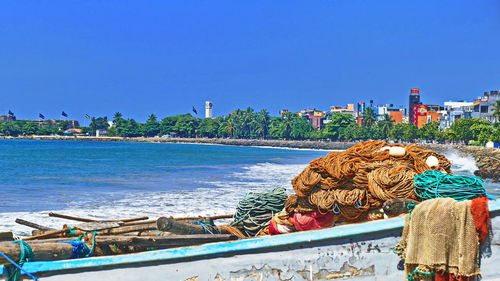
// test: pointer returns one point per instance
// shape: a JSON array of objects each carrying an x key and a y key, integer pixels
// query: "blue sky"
[{"x": 163, "y": 57}]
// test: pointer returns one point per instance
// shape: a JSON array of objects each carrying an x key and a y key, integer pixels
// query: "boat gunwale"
[{"x": 211, "y": 249}]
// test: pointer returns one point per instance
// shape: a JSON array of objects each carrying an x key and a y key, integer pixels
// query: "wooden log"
[
  {"x": 130, "y": 228},
  {"x": 130, "y": 220},
  {"x": 163, "y": 242},
  {"x": 38, "y": 232},
  {"x": 178, "y": 227},
  {"x": 55, "y": 233},
  {"x": 212, "y": 218},
  {"x": 183, "y": 219},
  {"x": 52, "y": 214},
  {"x": 32, "y": 225},
  {"x": 138, "y": 222},
  {"x": 6, "y": 236},
  {"x": 98, "y": 225},
  {"x": 41, "y": 251}
]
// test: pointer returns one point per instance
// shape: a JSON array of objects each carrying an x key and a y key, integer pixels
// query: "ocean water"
[{"x": 114, "y": 180}]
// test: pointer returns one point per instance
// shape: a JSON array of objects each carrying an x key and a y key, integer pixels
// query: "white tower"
[{"x": 208, "y": 109}]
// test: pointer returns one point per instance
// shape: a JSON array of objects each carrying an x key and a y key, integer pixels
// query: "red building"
[{"x": 315, "y": 117}]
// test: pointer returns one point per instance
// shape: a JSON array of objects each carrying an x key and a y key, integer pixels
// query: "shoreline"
[
  {"x": 292, "y": 144},
  {"x": 297, "y": 144}
]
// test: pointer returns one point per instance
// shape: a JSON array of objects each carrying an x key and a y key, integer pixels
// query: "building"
[
  {"x": 486, "y": 105},
  {"x": 56, "y": 123},
  {"x": 396, "y": 113},
  {"x": 7, "y": 118},
  {"x": 359, "y": 113},
  {"x": 208, "y": 109},
  {"x": 483, "y": 107},
  {"x": 454, "y": 110},
  {"x": 339, "y": 109},
  {"x": 315, "y": 117},
  {"x": 101, "y": 132},
  {"x": 414, "y": 100},
  {"x": 284, "y": 111},
  {"x": 424, "y": 114}
]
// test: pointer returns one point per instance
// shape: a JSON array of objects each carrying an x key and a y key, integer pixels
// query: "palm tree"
[
  {"x": 385, "y": 125},
  {"x": 262, "y": 125},
  {"x": 118, "y": 119},
  {"x": 368, "y": 117},
  {"x": 229, "y": 126},
  {"x": 151, "y": 118},
  {"x": 287, "y": 124},
  {"x": 496, "y": 110}
]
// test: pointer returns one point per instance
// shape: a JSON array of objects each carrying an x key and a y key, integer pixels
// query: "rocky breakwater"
[{"x": 488, "y": 163}]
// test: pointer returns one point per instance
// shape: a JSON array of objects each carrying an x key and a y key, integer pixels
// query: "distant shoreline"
[
  {"x": 220, "y": 141},
  {"x": 301, "y": 144}
]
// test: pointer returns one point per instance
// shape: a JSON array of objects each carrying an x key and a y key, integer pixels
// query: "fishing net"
[{"x": 361, "y": 178}]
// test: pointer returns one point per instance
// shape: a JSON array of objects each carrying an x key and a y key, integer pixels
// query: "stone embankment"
[{"x": 487, "y": 159}]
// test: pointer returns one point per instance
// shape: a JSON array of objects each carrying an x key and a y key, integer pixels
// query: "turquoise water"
[
  {"x": 62, "y": 172},
  {"x": 117, "y": 179}
]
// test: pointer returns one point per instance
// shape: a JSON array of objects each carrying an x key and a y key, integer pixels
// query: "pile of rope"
[
  {"x": 361, "y": 178},
  {"x": 256, "y": 210},
  {"x": 434, "y": 184}
]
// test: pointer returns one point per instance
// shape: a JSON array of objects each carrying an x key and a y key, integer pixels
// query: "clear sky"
[{"x": 163, "y": 57}]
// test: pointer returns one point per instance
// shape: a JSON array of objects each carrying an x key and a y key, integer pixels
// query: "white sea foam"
[{"x": 461, "y": 164}]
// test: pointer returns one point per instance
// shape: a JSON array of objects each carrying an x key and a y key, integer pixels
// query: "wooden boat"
[{"x": 358, "y": 251}]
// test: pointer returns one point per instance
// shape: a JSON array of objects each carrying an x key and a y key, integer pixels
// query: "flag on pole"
[
  {"x": 64, "y": 114},
  {"x": 41, "y": 116},
  {"x": 194, "y": 110},
  {"x": 87, "y": 116},
  {"x": 10, "y": 112}
]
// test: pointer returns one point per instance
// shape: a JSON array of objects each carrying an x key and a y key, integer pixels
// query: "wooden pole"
[
  {"x": 52, "y": 214},
  {"x": 203, "y": 218},
  {"x": 32, "y": 225},
  {"x": 178, "y": 227},
  {"x": 54, "y": 233},
  {"x": 129, "y": 228}
]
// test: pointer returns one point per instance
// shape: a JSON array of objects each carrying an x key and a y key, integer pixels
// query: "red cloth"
[
  {"x": 272, "y": 228},
  {"x": 481, "y": 215},
  {"x": 312, "y": 220},
  {"x": 444, "y": 276}
]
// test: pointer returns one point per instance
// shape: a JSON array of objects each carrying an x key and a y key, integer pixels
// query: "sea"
[{"x": 118, "y": 180}]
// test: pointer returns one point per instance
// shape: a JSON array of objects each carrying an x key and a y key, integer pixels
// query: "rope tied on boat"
[
  {"x": 434, "y": 184},
  {"x": 26, "y": 254},
  {"x": 80, "y": 249},
  {"x": 71, "y": 231},
  {"x": 207, "y": 226},
  {"x": 256, "y": 209}
]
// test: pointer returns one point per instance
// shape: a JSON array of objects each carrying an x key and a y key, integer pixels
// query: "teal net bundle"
[
  {"x": 434, "y": 184},
  {"x": 256, "y": 210}
]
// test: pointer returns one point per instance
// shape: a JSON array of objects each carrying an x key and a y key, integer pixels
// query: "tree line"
[{"x": 248, "y": 124}]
